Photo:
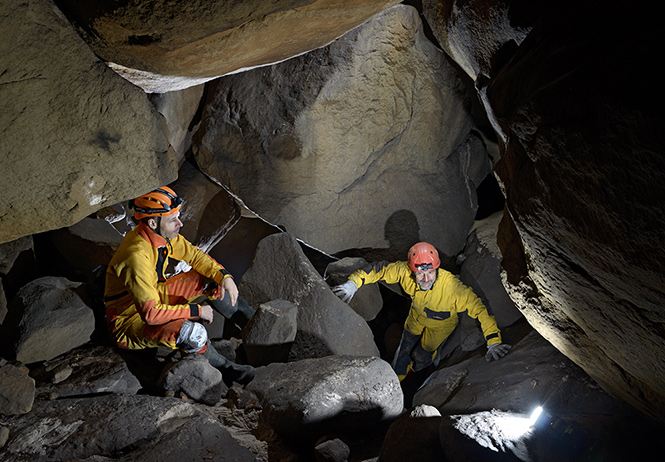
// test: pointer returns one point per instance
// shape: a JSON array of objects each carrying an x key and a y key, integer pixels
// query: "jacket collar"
[{"x": 149, "y": 235}]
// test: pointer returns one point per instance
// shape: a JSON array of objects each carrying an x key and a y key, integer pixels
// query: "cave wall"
[
  {"x": 582, "y": 170},
  {"x": 563, "y": 84}
]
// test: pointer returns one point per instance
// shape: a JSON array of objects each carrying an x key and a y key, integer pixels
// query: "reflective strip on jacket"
[
  {"x": 436, "y": 308},
  {"x": 136, "y": 283}
]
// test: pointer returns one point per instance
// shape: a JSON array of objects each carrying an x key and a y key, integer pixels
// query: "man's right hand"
[
  {"x": 346, "y": 291},
  {"x": 206, "y": 313}
]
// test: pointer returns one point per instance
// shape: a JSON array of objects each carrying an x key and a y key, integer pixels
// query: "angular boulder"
[
  {"x": 47, "y": 318},
  {"x": 326, "y": 325},
  {"x": 268, "y": 336},
  {"x": 313, "y": 397},
  {"x": 195, "y": 377}
]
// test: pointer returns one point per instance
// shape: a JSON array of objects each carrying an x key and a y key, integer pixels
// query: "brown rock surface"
[
  {"x": 75, "y": 136},
  {"x": 155, "y": 41}
]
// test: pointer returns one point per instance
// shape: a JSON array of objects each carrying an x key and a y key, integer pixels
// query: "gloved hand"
[
  {"x": 497, "y": 351},
  {"x": 346, "y": 291}
]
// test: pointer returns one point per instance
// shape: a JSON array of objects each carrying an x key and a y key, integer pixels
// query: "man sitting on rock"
[
  {"x": 145, "y": 309},
  {"x": 437, "y": 296}
]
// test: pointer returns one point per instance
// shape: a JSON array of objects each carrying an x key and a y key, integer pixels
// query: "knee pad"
[{"x": 193, "y": 336}]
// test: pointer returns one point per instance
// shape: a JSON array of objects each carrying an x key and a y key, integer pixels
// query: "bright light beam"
[{"x": 535, "y": 414}]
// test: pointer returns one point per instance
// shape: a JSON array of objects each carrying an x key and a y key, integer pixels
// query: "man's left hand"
[
  {"x": 229, "y": 286},
  {"x": 497, "y": 351}
]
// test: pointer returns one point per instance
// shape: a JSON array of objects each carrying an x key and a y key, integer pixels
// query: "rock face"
[
  {"x": 136, "y": 427},
  {"x": 303, "y": 398},
  {"x": 165, "y": 46},
  {"x": 582, "y": 233},
  {"x": 71, "y": 127},
  {"x": 326, "y": 325},
  {"x": 47, "y": 317},
  {"x": 341, "y": 145}
]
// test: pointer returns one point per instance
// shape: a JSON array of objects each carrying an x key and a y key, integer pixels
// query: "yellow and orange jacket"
[
  {"x": 436, "y": 307},
  {"x": 136, "y": 283}
]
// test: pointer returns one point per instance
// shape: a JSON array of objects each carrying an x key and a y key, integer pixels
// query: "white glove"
[
  {"x": 346, "y": 291},
  {"x": 497, "y": 351}
]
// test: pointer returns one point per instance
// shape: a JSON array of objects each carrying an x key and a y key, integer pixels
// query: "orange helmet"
[
  {"x": 423, "y": 257},
  {"x": 158, "y": 203}
]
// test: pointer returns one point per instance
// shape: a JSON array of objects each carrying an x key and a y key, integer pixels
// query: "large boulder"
[
  {"x": 583, "y": 229},
  {"x": 340, "y": 146},
  {"x": 165, "y": 46},
  {"x": 135, "y": 427},
  {"x": 326, "y": 325},
  {"x": 45, "y": 319},
  {"x": 76, "y": 136},
  {"x": 313, "y": 397}
]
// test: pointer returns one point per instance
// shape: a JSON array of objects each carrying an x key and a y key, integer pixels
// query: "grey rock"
[
  {"x": 490, "y": 435},
  {"x": 85, "y": 371},
  {"x": 268, "y": 336},
  {"x": 17, "y": 390},
  {"x": 137, "y": 427},
  {"x": 326, "y": 325},
  {"x": 332, "y": 451},
  {"x": 47, "y": 318},
  {"x": 196, "y": 378},
  {"x": 414, "y": 435},
  {"x": 367, "y": 301},
  {"x": 314, "y": 397}
]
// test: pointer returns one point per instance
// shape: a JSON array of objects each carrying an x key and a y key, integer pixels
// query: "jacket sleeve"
[
  {"x": 136, "y": 274},
  {"x": 466, "y": 299},
  {"x": 200, "y": 261},
  {"x": 390, "y": 273}
]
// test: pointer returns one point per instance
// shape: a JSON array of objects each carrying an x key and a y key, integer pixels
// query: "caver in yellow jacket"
[
  {"x": 433, "y": 312},
  {"x": 136, "y": 287}
]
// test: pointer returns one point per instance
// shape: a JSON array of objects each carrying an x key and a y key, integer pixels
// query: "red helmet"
[
  {"x": 158, "y": 203},
  {"x": 423, "y": 257}
]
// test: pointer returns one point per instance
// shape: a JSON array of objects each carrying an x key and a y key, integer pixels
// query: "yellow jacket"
[
  {"x": 136, "y": 284},
  {"x": 436, "y": 308}
]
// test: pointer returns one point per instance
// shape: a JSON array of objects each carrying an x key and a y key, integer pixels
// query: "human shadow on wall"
[{"x": 402, "y": 231}]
